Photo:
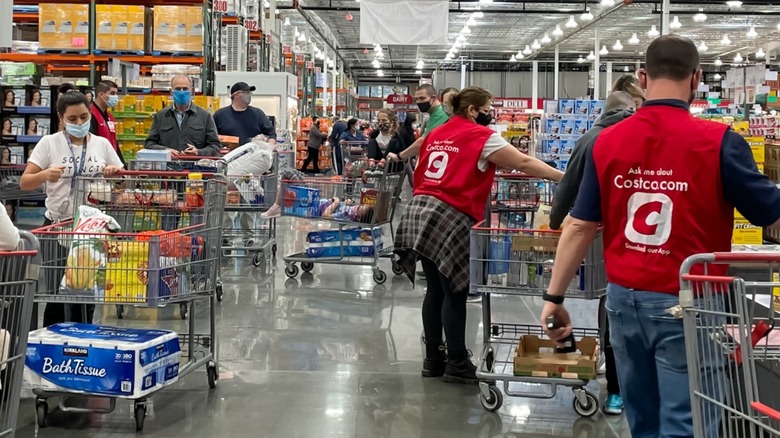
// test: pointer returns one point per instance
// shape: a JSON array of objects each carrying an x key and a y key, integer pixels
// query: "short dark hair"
[
  {"x": 65, "y": 88},
  {"x": 428, "y": 90},
  {"x": 351, "y": 123},
  {"x": 671, "y": 57},
  {"x": 69, "y": 99},
  {"x": 105, "y": 86}
]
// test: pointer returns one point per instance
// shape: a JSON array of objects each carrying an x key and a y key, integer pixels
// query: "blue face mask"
[
  {"x": 112, "y": 101},
  {"x": 78, "y": 131},
  {"x": 181, "y": 97}
]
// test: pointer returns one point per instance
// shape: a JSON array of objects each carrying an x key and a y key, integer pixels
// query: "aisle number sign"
[
  {"x": 300, "y": 59},
  {"x": 287, "y": 50},
  {"x": 220, "y": 6},
  {"x": 251, "y": 25}
]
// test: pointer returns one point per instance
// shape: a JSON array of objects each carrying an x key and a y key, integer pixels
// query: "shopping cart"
[
  {"x": 519, "y": 262},
  {"x": 358, "y": 206},
  {"x": 168, "y": 253},
  {"x": 732, "y": 349},
  {"x": 9, "y": 184},
  {"x": 515, "y": 200},
  {"x": 18, "y": 275}
]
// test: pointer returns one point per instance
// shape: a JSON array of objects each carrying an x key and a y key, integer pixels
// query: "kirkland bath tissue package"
[{"x": 101, "y": 360}]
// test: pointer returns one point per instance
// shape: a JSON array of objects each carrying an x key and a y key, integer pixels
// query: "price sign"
[
  {"x": 286, "y": 50},
  {"x": 220, "y": 6},
  {"x": 300, "y": 59},
  {"x": 310, "y": 65},
  {"x": 251, "y": 25},
  {"x": 268, "y": 38},
  {"x": 317, "y": 70}
]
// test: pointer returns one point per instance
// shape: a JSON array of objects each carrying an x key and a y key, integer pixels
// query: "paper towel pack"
[{"x": 101, "y": 360}]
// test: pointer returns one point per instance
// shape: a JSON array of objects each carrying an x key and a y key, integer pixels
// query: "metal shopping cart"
[
  {"x": 18, "y": 275},
  {"x": 9, "y": 184},
  {"x": 166, "y": 254},
  {"x": 732, "y": 348},
  {"x": 515, "y": 200},
  {"x": 358, "y": 206}
]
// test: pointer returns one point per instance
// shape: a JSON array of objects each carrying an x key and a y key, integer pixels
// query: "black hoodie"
[{"x": 569, "y": 186}]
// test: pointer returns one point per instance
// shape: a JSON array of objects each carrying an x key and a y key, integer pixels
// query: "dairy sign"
[{"x": 400, "y": 99}]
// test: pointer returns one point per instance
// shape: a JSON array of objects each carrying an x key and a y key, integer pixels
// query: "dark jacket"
[
  {"x": 349, "y": 137},
  {"x": 396, "y": 145},
  {"x": 338, "y": 128},
  {"x": 197, "y": 128},
  {"x": 569, "y": 186},
  {"x": 316, "y": 137}
]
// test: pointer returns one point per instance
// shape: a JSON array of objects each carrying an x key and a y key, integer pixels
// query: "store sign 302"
[{"x": 251, "y": 25}]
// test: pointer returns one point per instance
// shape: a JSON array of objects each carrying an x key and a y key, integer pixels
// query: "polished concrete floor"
[{"x": 329, "y": 354}]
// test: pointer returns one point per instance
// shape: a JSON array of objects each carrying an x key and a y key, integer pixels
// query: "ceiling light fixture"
[
  {"x": 580, "y": 60},
  {"x": 572, "y": 23},
  {"x": 520, "y": 55},
  {"x": 418, "y": 72},
  {"x": 266, "y": 4},
  {"x": 375, "y": 63},
  {"x": 460, "y": 38},
  {"x": 286, "y": 21},
  {"x": 618, "y": 46},
  {"x": 625, "y": 69},
  {"x": 513, "y": 59},
  {"x": 607, "y": 3},
  {"x": 760, "y": 53},
  {"x": 700, "y": 17},
  {"x": 420, "y": 64},
  {"x": 546, "y": 39},
  {"x": 634, "y": 40},
  {"x": 278, "y": 12},
  {"x": 457, "y": 44},
  {"x": 734, "y": 4},
  {"x": 478, "y": 14},
  {"x": 586, "y": 16},
  {"x": 726, "y": 41},
  {"x": 297, "y": 32},
  {"x": 380, "y": 73},
  {"x": 471, "y": 21},
  {"x": 591, "y": 56},
  {"x": 527, "y": 50},
  {"x": 653, "y": 32},
  {"x": 454, "y": 49},
  {"x": 717, "y": 77},
  {"x": 703, "y": 47},
  {"x": 675, "y": 24},
  {"x": 718, "y": 62},
  {"x": 752, "y": 34},
  {"x": 536, "y": 45},
  {"x": 604, "y": 51},
  {"x": 558, "y": 31},
  {"x": 465, "y": 30},
  {"x": 302, "y": 38},
  {"x": 486, "y": 1},
  {"x": 738, "y": 58}
]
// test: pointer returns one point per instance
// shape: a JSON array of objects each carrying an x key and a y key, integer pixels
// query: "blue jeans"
[{"x": 649, "y": 346}]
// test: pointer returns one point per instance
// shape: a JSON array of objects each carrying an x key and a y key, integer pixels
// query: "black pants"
[
  {"x": 60, "y": 312},
  {"x": 613, "y": 387},
  {"x": 443, "y": 308},
  {"x": 313, "y": 157}
]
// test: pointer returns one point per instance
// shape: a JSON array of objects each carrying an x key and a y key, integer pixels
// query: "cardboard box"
[
  {"x": 536, "y": 357},
  {"x": 566, "y": 106},
  {"x": 581, "y": 107},
  {"x": 178, "y": 29}
]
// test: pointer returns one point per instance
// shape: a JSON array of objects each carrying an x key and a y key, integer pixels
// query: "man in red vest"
[
  {"x": 103, "y": 123},
  {"x": 664, "y": 185}
]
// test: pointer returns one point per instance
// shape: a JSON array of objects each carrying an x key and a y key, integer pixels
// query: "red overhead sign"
[{"x": 400, "y": 99}]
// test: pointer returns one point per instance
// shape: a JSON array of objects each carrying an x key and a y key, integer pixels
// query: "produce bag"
[{"x": 88, "y": 249}]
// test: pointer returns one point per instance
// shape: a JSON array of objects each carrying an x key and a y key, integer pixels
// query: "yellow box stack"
[
  {"x": 120, "y": 28},
  {"x": 63, "y": 26},
  {"x": 178, "y": 29},
  {"x": 746, "y": 233}
]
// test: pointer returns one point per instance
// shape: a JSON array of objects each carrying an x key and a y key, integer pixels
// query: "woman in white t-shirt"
[{"x": 56, "y": 161}]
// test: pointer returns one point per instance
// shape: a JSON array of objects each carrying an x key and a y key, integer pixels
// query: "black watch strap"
[{"x": 555, "y": 299}]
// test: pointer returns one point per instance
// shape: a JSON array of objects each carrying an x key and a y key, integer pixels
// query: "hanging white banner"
[{"x": 404, "y": 22}]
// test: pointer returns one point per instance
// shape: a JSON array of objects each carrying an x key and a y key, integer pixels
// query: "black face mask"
[
  {"x": 483, "y": 119},
  {"x": 424, "y": 107}
]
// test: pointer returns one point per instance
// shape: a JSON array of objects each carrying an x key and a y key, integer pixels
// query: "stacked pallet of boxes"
[
  {"x": 121, "y": 28},
  {"x": 63, "y": 27},
  {"x": 178, "y": 29}
]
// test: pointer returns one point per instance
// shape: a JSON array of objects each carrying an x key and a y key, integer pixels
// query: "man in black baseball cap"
[{"x": 242, "y": 120}]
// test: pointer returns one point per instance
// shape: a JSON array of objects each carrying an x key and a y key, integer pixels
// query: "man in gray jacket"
[
  {"x": 183, "y": 128},
  {"x": 620, "y": 105}
]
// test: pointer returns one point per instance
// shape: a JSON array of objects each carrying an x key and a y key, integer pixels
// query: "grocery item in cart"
[
  {"x": 101, "y": 360},
  {"x": 344, "y": 243},
  {"x": 88, "y": 248},
  {"x": 536, "y": 357},
  {"x": 253, "y": 158}
]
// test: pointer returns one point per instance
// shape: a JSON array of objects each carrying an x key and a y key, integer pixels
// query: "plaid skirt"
[{"x": 434, "y": 230}]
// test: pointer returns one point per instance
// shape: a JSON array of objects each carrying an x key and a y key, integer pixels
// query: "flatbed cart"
[
  {"x": 519, "y": 262},
  {"x": 371, "y": 202},
  {"x": 18, "y": 277},
  {"x": 166, "y": 262},
  {"x": 732, "y": 345}
]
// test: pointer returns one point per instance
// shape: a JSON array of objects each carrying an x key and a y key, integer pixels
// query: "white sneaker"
[{"x": 274, "y": 211}]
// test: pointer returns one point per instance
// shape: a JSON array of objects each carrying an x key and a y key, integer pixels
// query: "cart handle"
[
  {"x": 766, "y": 410},
  {"x": 160, "y": 173},
  {"x": 18, "y": 253},
  {"x": 194, "y": 157},
  {"x": 708, "y": 278},
  {"x": 726, "y": 257}
]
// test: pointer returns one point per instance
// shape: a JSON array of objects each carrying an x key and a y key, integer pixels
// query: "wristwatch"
[{"x": 555, "y": 299}]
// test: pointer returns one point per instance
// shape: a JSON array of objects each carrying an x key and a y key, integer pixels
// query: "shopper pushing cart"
[{"x": 671, "y": 195}]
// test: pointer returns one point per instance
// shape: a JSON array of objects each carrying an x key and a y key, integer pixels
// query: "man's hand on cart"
[
  {"x": 54, "y": 173},
  {"x": 111, "y": 170},
  {"x": 562, "y": 319},
  {"x": 191, "y": 149}
]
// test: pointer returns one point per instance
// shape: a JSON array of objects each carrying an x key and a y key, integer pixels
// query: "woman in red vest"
[{"x": 452, "y": 183}]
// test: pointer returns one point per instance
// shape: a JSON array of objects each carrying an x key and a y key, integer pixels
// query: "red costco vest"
[
  {"x": 106, "y": 128},
  {"x": 447, "y": 168},
  {"x": 661, "y": 196}
]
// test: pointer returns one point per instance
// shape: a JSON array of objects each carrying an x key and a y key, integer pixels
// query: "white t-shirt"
[
  {"x": 494, "y": 144},
  {"x": 53, "y": 150}
]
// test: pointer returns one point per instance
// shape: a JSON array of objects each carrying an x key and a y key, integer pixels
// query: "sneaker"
[
  {"x": 613, "y": 405},
  {"x": 273, "y": 212},
  {"x": 474, "y": 298}
]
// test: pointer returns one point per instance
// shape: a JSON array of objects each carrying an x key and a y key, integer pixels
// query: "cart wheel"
[
  {"x": 258, "y": 259},
  {"x": 291, "y": 271},
  {"x": 273, "y": 250},
  {"x": 397, "y": 269},
  {"x": 183, "y": 310},
  {"x": 41, "y": 412},
  {"x": 380, "y": 277},
  {"x": 494, "y": 402},
  {"x": 120, "y": 311},
  {"x": 591, "y": 406},
  {"x": 140, "y": 416},
  {"x": 211, "y": 373},
  {"x": 307, "y": 266},
  {"x": 218, "y": 291}
]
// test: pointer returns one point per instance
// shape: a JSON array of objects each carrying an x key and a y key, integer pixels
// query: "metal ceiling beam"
[
  {"x": 568, "y": 11},
  {"x": 333, "y": 46}
]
